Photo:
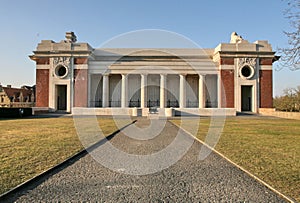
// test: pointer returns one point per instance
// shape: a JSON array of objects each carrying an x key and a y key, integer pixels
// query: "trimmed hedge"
[{"x": 15, "y": 112}]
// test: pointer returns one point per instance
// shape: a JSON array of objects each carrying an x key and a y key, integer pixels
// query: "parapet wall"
[{"x": 280, "y": 114}]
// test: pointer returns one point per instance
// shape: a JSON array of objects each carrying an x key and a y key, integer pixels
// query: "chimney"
[{"x": 8, "y": 86}]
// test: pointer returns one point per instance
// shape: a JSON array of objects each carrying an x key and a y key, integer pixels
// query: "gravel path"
[{"x": 189, "y": 180}]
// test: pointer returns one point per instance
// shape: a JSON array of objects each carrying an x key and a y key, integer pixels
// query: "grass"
[
  {"x": 31, "y": 146},
  {"x": 267, "y": 147}
]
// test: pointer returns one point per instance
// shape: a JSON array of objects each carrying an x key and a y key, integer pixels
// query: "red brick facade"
[
  {"x": 265, "y": 89},
  {"x": 42, "y": 88},
  {"x": 80, "y": 61},
  {"x": 80, "y": 88},
  {"x": 42, "y": 61},
  {"x": 227, "y": 98},
  {"x": 264, "y": 61},
  {"x": 227, "y": 61}
]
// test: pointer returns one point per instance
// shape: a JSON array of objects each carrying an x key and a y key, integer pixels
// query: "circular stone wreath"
[
  {"x": 61, "y": 71},
  {"x": 247, "y": 72}
]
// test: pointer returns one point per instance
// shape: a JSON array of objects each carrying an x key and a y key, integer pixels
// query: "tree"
[
  {"x": 290, "y": 101},
  {"x": 290, "y": 56}
]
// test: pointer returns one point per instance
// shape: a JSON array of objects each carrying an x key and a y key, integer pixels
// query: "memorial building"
[{"x": 232, "y": 77}]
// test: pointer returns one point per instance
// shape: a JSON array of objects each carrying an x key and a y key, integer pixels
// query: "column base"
[{"x": 161, "y": 112}]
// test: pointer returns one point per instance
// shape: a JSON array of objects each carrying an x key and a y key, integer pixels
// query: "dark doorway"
[
  {"x": 247, "y": 98},
  {"x": 153, "y": 95},
  {"x": 61, "y": 92}
]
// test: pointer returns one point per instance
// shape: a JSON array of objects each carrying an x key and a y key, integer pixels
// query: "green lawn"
[
  {"x": 267, "y": 147},
  {"x": 31, "y": 146}
]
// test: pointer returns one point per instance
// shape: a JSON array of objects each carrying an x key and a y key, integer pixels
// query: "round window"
[
  {"x": 247, "y": 72},
  {"x": 61, "y": 71}
]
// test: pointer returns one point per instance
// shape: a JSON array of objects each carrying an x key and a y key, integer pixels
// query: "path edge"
[
  {"x": 238, "y": 166},
  {"x": 69, "y": 161}
]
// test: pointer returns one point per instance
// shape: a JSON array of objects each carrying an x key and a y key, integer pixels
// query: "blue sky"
[{"x": 207, "y": 23}]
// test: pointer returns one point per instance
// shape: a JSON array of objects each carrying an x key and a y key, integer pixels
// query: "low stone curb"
[
  {"x": 238, "y": 166},
  {"x": 31, "y": 183}
]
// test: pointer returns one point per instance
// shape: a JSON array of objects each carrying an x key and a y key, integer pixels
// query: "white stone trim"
[
  {"x": 81, "y": 66},
  {"x": 265, "y": 67},
  {"x": 226, "y": 67},
  {"x": 43, "y": 66}
]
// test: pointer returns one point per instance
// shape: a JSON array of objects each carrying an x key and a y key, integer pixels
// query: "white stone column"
[
  {"x": 182, "y": 91},
  {"x": 162, "y": 90},
  {"x": 202, "y": 93},
  {"x": 143, "y": 90},
  {"x": 105, "y": 90},
  {"x": 124, "y": 91}
]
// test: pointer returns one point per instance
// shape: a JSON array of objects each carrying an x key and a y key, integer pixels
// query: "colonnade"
[{"x": 162, "y": 90}]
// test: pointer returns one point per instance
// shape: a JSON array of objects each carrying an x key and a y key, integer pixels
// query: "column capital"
[{"x": 106, "y": 74}]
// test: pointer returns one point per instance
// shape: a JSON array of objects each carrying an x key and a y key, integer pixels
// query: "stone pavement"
[{"x": 189, "y": 180}]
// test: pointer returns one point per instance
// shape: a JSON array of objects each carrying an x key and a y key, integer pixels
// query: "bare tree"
[
  {"x": 290, "y": 56},
  {"x": 289, "y": 101}
]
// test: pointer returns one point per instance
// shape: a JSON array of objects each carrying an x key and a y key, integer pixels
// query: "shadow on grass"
[{"x": 38, "y": 116}]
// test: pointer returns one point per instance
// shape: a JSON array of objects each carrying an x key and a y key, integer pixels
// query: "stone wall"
[{"x": 280, "y": 114}]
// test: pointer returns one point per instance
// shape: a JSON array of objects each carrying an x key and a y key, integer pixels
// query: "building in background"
[
  {"x": 233, "y": 77},
  {"x": 17, "y": 97}
]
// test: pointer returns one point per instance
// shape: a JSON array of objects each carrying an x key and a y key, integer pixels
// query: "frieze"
[
  {"x": 63, "y": 60},
  {"x": 247, "y": 61}
]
